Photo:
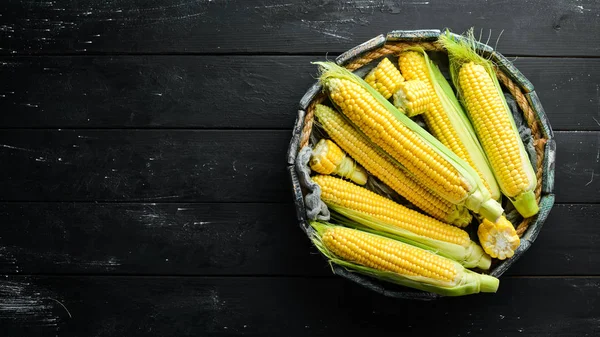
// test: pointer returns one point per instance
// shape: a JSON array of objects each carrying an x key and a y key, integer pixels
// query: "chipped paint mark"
[
  {"x": 333, "y": 28},
  {"x": 580, "y": 9},
  {"x": 273, "y": 6},
  {"x": 86, "y": 137}
]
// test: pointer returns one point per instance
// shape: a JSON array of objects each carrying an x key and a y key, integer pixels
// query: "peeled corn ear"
[
  {"x": 397, "y": 262},
  {"x": 478, "y": 87},
  {"x": 421, "y": 154},
  {"x": 382, "y": 166},
  {"x": 445, "y": 117},
  {"x": 378, "y": 213},
  {"x": 385, "y": 78},
  {"x": 328, "y": 158},
  {"x": 499, "y": 239},
  {"x": 413, "y": 97}
]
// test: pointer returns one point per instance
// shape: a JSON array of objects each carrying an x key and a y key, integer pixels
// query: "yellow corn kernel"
[
  {"x": 477, "y": 84},
  {"x": 379, "y": 164},
  {"x": 345, "y": 194},
  {"x": 500, "y": 239},
  {"x": 396, "y": 139},
  {"x": 394, "y": 261},
  {"x": 328, "y": 158},
  {"x": 495, "y": 129},
  {"x": 430, "y": 162},
  {"x": 446, "y": 128},
  {"x": 384, "y": 78},
  {"x": 388, "y": 255},
  {"x": 413, "y": 97}
]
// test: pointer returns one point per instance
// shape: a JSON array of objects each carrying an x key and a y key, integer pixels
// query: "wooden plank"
[
  {"x": 566, "y": 245},
  {"x": 224, "y": 91},
  {"x": 97, "y": 165},
  {"x": 225, "y": 239},
  {"x": 161, "y": 26},
  {"x": 567, "y": 88},
  {"x": 166, "y": 239},
  {"x": 191, "y": 306},
  {"x": 153, "y": 91},
  {"x": 577, "y": 167},
  {"x": 200, "y": 166}
]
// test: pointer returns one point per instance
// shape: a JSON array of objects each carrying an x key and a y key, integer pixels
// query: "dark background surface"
[{"x": 144, "y": 189}]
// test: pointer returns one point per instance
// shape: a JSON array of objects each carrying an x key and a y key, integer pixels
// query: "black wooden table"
[{"x": 144, "y": 190}]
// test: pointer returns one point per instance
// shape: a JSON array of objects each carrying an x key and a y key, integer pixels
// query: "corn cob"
[
  {"x": 413, "y": 97},
  {"x": 382, "y": 166},
  {"x": 498, "y": 239},
  {"x": 478, "y": 87},
  {"x": 328, "y": 158},
  {"x": 446, "y": 118},
  {"x": 397, "y": 262},
  {"x": 385, "y": 78},
  {"x": 378, "y": 213},
  {"x": 421, "y": 154}
]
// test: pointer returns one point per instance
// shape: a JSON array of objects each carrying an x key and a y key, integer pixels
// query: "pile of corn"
[{"x": 454, "y": 173}]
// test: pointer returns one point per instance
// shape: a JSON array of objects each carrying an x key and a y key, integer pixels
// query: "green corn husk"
[
  {"x": 462, "y": 124},
  {"x": 479, "y": 199},
  {"x": 460, "y": 216},
  {"x": 461, "y": 52},
  {"x": 468, "y": 282},
  {"x": 469, "y": 256}
]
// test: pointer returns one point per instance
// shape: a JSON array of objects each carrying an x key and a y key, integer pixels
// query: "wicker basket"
[{"x": 511, "y": 78}]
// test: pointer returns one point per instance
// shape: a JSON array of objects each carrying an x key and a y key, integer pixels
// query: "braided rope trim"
[{"x": 539, "y": 141}]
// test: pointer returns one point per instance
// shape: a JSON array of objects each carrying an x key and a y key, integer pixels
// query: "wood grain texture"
[
  {"x": 295, "y": 26},
  {"x": 152, "y": 239},
  {"x": 144, "y": 165},
  {"x": 225, "y": 239},
  {"x": 153, "y": 91},
  {"x": 141, "y": 306},
  {"x": 224, "y": 91},
  {"x": 200, "y": 166}
]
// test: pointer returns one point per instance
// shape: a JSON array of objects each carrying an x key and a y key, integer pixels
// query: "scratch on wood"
[
  {"x": 15, "y": 148},
  {"x": 591, "y": 179},
  {"x": 19, "y": 301},
  {"x": 62, "y": 305}
]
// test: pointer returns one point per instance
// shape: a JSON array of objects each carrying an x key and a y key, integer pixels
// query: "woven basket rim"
[{"x": 509, "y": 76}]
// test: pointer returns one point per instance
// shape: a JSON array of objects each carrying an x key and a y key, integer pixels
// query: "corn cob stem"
[
  {"x": 397, "y": 262},
  {"x": 378, "y": 213},
  {"x": 382, "y": 166},
  {"x": 425, "y": 157},
  {"x": 478, "y": 87},
  {"x": 328, "y": 158}
]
